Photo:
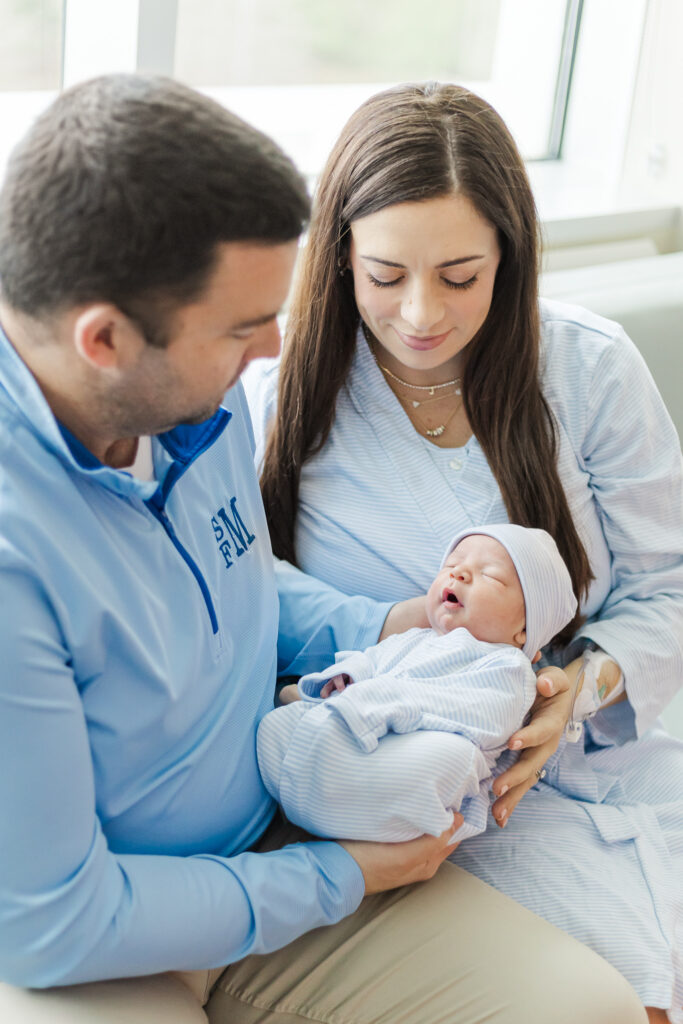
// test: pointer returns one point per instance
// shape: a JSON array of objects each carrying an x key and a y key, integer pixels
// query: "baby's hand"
[{"x": 336, "y": 684}]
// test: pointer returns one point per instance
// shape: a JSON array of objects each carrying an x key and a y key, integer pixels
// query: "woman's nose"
[{"x": 422, "y": 308}]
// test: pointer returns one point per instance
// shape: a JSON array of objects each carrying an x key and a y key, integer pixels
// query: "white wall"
[{"x": 653, "y": 163}]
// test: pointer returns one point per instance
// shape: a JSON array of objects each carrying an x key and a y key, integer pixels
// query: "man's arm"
[
  {"x": 316, "y": 621},
  {"x": 73, "y": 910}
]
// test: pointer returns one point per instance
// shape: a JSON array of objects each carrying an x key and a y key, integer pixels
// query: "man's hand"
[
  {"x": 289, "y": 693},
  {"x": 537, "y": 741},
  {"x": 390, "y": 865}
]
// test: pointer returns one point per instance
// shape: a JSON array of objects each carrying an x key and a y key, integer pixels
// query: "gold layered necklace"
[
  {"x": 429, "y": 389},
  {"x": 441, "y": 428}
]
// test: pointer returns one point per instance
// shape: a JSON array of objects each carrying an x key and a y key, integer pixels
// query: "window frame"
[{"x": 580, "y": 180}]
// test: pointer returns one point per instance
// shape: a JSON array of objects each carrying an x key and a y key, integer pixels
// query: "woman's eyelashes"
[
  {"x": 383, "y": 284},
  {"x": 459, "y": 285}
]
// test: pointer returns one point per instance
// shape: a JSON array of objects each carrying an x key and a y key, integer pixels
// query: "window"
[
  {"x": 298, "y": 68},
  {"x": 561, "y": 72},
  {"x": 30, "y": 44}
]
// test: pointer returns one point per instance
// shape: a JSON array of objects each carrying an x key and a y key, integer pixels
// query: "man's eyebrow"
[
  {"x": 440, "y": 266},
  {"x": 256, "y": 322}
]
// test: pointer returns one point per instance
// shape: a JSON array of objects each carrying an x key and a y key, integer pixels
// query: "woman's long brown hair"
[{"x": 408, "y": 144}]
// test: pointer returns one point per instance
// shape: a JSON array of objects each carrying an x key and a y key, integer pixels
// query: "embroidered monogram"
[{"x": 232, "y": 536}]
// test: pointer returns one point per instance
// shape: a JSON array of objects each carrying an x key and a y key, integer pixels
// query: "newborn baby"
[{"x": 387, "y": 742}]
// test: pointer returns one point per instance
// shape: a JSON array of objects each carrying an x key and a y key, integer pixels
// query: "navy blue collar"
[{"x": 183, "y": 443}]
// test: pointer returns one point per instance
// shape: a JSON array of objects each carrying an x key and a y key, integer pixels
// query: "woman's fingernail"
[
  {"x": 503, "y": 790},
  {"x": 516, "y": 745},
  {"x": 502, "y": 815}
]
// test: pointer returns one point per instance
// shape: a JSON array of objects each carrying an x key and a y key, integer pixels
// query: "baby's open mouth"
[{"x": 448, "y": 597}]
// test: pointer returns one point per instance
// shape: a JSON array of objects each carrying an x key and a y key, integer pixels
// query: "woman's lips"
[{"x": 422, "y": 344}]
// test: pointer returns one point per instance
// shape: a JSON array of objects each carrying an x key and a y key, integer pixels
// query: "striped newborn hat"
[{"x": 547, "y": 587}]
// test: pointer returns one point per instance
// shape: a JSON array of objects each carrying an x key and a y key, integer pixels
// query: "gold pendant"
[{"x": 437, "y": 432}]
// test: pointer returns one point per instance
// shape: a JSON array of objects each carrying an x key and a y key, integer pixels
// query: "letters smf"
[{"x": 232, "y": 536}]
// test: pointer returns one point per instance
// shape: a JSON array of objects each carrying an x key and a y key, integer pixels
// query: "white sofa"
[{"x": 646, "y": 297}]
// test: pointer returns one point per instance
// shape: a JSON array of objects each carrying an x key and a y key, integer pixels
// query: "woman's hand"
[
  {"x": 405, "y": 615},
  {"x": 538, "y": 740}
]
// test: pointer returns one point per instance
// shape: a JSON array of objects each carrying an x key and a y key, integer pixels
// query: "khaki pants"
[{"x": 448, "y": 951}]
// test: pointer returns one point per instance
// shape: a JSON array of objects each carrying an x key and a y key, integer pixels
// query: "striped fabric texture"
[
  {"x": 597, "y": 848},
  {"x": 337, "y": 767}
]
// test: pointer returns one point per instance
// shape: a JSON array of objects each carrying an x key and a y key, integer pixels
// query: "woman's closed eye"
[
  {"x": 458, "y": 285},
  {"x": 462, "y": 285},
  {"x": 383, "y": 284}
]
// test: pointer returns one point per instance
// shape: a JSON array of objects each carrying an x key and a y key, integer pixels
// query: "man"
[{"x": 147, "y": 239}]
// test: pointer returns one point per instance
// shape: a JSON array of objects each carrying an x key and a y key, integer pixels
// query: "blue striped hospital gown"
[
  {"x": 597, "y": 848},
  {"x": 434, "y": 712}
]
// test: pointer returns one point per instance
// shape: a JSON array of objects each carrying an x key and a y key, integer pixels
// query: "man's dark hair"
[{"x": 121, "y": 192}]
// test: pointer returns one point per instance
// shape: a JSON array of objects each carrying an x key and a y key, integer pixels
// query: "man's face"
[
  {"x": 212, "y": 340},
  {"x": 479, "y": 588}
]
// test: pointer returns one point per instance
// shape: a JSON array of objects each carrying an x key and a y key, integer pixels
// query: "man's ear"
[{"x": 105, "y": 338}]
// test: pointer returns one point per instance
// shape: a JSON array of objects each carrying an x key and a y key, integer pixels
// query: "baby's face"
[{"x": 479, "y": 588}]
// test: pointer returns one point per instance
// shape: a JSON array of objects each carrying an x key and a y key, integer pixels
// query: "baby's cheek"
[{"x": 433, "y": 604}]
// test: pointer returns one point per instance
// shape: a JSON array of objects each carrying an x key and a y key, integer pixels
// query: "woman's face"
[{"x": 423, "y": 276}]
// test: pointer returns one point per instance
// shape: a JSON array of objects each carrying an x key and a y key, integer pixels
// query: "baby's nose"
[{"x": 460, "y": 574}]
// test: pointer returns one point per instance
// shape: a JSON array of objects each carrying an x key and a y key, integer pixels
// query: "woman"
[{"x": 423, "y": 389}]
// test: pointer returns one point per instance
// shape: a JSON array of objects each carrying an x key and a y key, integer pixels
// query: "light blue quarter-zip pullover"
[{"x": 138, "y": 646}]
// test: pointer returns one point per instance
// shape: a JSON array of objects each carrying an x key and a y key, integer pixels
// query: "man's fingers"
[
  {"x": 450, "y": 832},
  {"x": 288, "y": 694},
  {"x": 436, "y": 850},
  {"x": 389, "y": 865}
]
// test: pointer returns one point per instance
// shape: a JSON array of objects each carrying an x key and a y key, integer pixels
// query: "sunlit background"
[{"x": 591, "y": 90}]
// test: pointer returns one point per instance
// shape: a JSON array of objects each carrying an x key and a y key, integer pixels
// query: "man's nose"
[{"x": 268, "y": 342}]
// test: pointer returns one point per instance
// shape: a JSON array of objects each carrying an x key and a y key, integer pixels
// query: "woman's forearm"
[{"x": 607, "y": 681}]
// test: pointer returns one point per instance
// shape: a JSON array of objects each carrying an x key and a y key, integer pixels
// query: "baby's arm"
[
  {"x": 357, "y": 666},
  {"x": 336, "y": 684}
]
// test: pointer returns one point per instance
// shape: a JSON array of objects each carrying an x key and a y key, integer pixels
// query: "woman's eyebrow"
[{"x": 439, "y": 266}]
